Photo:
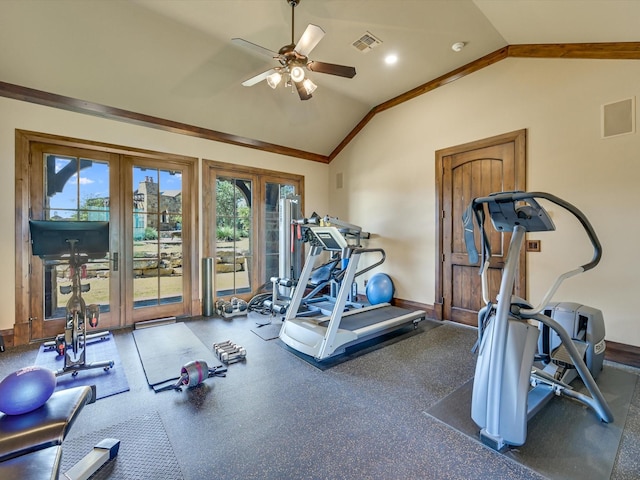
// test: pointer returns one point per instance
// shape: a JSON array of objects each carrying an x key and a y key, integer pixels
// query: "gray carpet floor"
[{"x": 275, "y": 416}]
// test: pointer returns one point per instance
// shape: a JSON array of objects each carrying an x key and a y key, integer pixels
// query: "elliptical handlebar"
[
  {"x": 475, "y": 207},
  {"x": 584, "y": 221},
  {"x": 532, "y": 217}
]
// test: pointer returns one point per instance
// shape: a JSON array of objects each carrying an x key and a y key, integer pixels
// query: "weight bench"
[{"x": 31, "y": 443}]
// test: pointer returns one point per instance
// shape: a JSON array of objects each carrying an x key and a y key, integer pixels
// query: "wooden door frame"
[
  {"x": 519, "y": 137},
  {"x": 23, "y": 142}
]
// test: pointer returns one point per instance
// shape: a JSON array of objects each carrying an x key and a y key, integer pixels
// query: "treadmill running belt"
[{"x": 370, "y": 317}]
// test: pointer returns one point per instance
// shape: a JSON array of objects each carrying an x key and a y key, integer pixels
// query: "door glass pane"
[
  {"x": 75, "y": 189},
  {"x": 157, "y": 237},
  {"x": 234, "y": 249},
  {"x": 278, "y": 231}
]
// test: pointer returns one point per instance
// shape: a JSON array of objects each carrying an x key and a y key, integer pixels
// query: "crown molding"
[{"x": 609, "y": 50}]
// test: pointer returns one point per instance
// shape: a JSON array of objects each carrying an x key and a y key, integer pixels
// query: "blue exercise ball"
[
  {"x": 26, "y": 390},
  {"x": 379, "y": 289}
]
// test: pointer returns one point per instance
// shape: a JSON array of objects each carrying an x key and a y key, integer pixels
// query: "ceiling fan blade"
[
  {"x": 332, "y": 69},
  {"x": 302, "y": 92},
  {"x": 309, "y": 39},
  {"x": 258, "y": 78},
  {"x": 256, "y": 48}
]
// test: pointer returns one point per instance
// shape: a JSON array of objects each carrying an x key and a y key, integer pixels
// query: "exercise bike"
[
  {"x": 508, "y": 389},
  {"x": 75, "y": 243}
]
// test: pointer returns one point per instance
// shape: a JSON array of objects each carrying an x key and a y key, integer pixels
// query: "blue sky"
[{"x": 94, "y": 182}]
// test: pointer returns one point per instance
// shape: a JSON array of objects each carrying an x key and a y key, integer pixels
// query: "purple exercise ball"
[{"x": 26, "y": 390}]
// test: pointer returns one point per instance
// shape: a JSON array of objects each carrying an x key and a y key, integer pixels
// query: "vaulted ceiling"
[{"x": 173, "y": 61}]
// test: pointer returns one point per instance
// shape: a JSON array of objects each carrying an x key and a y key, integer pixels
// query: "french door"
[
  {"x": 241, "y": 225},
  {"x": 77, "y": 185},
  {"x": 148, "y": 200},
  {"x": 158, "y": 248}
]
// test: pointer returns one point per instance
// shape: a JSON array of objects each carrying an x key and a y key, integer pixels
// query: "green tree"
[
  {"x": 232, "y": 210},
  {"x": 225, "y": 202}
]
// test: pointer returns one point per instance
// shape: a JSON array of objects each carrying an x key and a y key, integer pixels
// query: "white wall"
[
  {"x": 389, "y": 176},
  {"x": 19, "y": 115}
]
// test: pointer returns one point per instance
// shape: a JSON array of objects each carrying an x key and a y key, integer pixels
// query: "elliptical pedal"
[{"x": 561, "y": 357}]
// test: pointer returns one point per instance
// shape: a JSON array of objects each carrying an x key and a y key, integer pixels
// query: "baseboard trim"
[
  {"x": 154, "y": 323},
  {"x": 408, "y": 304},
  {"x": 6, "y": 339},
  {"x": 622, "y": 353}
]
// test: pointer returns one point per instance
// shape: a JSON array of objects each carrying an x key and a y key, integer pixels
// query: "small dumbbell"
[
  {"x": 230, "y": 357},
  {"x": 234, "y": 357}
]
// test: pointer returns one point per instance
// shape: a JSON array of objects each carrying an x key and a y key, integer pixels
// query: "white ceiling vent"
[{"x": 366, "y": 42}]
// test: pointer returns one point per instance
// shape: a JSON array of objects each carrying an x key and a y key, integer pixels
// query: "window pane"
[
  {"x": 279, "y": 232},
  {"x": 234, "y": 222},
  {"x": 61, "y": 193},
  {"x": 157, "y": 235},
  {"x": 75, "y": 189}
]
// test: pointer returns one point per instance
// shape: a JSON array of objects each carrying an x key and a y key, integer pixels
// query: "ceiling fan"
[{"x": 294, "y": 59}]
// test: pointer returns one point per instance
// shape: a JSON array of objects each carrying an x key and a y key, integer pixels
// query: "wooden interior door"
[{"x": 466, "y": 172}]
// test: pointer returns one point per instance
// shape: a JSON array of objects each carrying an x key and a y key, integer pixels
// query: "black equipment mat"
[
  {"x": 565, "y": 439},
  {"x": 163, "y": 351},
  {"x": 145, "y": 451},
  {"x": 268, "y": 331},
  {"x": 366, "y": 346}
]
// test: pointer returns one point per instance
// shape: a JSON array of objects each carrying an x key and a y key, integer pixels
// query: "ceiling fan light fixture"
[
  {"x": 297, "y": 74},
  {"x": 274, "y": 79},
  {"x": 293, "y": 59},
  {"x": 309, "y": 86}
]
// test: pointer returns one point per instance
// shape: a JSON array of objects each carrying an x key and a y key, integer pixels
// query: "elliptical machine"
[{"x": 508, "y": 390}]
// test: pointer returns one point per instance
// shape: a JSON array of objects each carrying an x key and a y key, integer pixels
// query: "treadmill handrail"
[{"x": 370, "y": 267}]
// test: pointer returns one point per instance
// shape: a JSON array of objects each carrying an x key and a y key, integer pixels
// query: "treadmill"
[{"x": 326, "y": 336}]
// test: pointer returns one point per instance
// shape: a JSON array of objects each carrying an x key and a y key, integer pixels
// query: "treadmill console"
[{"x": 329, "y": 238}]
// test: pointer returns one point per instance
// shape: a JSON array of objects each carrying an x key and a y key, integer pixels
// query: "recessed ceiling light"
[{"x": 391, "y": 59}]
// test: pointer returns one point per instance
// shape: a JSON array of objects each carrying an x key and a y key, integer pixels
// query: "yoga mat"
[
  {"x": 107, "y": 383},
  {"x": 163, "y": 351},
  {"x": 565, "y": 440},
  {"x": 145, "y": 451}
]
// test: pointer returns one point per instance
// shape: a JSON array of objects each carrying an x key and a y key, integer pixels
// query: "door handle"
[{"x": 114, "y": 259}]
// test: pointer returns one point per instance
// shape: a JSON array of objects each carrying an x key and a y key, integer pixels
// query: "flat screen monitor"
[{"x": 49, "y": 238}]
